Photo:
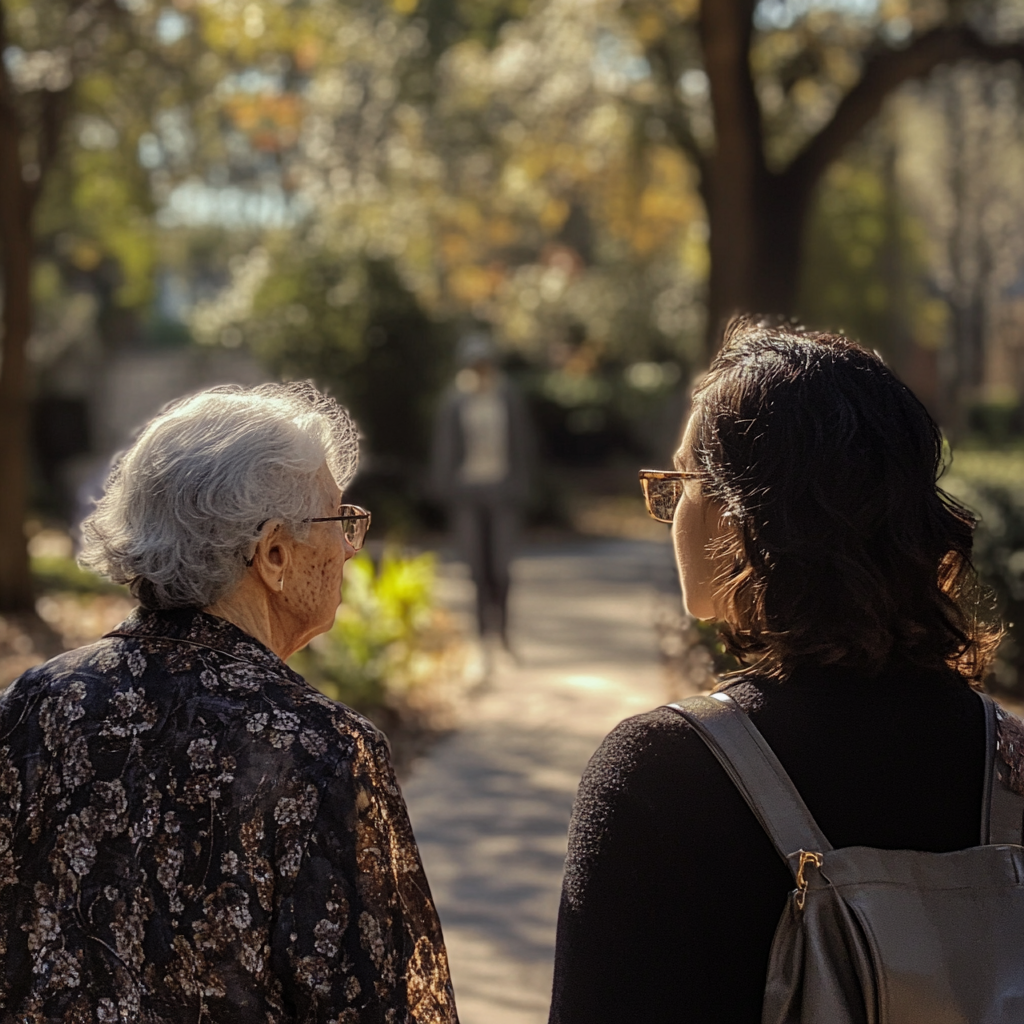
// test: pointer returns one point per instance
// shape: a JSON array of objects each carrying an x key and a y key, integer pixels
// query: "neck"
[{"x": 252, "y": 608}]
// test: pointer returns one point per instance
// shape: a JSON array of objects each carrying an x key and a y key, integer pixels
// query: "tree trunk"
[
  {"x": 756, "y": 217},
  {"x": 755, "y": 267},
  {"x": 16, "y": 267}
]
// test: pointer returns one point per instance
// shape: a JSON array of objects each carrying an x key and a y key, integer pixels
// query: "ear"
[{"x": 273, "y": 555}]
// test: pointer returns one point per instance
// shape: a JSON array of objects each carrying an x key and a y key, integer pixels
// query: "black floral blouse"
[{"x": 190, "y": 832}]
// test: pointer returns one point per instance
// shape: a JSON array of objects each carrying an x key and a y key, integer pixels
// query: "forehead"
[
  {"x": 328, "y": 485},
  {"x": 683, "y": 457}
]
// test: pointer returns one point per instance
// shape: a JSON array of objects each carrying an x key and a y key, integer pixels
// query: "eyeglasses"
[
  {"x": 355, "y": 522},
  {"x": 662, "y": 490}
]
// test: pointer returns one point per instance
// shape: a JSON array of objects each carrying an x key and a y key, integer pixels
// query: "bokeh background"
[
  {"x": 200, "y": 191},
  {"x": 195, "y": 192}
]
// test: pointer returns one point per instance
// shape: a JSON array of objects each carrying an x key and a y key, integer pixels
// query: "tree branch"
[
  {"x": 677, "y": 123},
  {"x": 883, "y": 73}
]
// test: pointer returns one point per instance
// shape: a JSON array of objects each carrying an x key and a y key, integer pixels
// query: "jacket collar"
[{"x": 200, "y": 629}]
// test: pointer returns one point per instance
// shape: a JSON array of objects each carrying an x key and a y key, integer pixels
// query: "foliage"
[
  {"x": 388, "y": 639},
  {"x": 518, "y": 189},
  {"x": 692, "y": 652},
  {"x": 991, "y": 484},
  {"x": 59, "y": 573},
  {"x": 865, "y": 269},
  {"x": 356, "y": 329}
]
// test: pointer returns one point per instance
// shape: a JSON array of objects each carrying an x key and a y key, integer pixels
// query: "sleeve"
[
  {"x": 604, "y": 957},
  {"x": 652, "y": 922},
  {"x": 357, "y": 939}
]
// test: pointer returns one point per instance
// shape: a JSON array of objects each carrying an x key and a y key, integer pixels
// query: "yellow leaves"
[
  {"x": 649, "y": 206},
  {"x": 251, "y": 30},
  {"x": 651, "y": 21},
  {"x": 552, "y": 215},
  {"x": 473, "y": 284},
  {"x": 455, "y": 248},
  {"x": 462, "y": 214},
  {"x": 889, "y": 9},
  {"x": 270, "y": 122},
  {"x": 307, "y": 52},
  {"x": 501, "y": 232},
  {"x": 694, "y": 255},
  {"x": 842, "y": 67},
  {"x": 466, "y": 250},
  {"x": 806, "y": 92},
  {"x": 85, "y": 255},
  {"x": 404, "y": 7},
  {"x": 684, "y": 9},
  {"x": 649, "y": 28}
]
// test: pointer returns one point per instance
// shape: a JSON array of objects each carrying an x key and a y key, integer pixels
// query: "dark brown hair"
[{"x": 846, "y": 551}]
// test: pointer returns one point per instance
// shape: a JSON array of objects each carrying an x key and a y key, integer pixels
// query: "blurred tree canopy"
[
  {"x": 765, "y": 96},
  {"x": 340, "y": 184}
]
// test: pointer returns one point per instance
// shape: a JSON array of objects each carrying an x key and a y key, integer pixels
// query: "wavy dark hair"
[{"x": 846, "y": 551}]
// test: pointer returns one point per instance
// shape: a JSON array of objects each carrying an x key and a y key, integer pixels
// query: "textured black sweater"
[{"x": 672, "y": 890}]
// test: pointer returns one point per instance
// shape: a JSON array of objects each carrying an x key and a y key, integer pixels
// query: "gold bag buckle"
[{"x": 806, "y": 857}]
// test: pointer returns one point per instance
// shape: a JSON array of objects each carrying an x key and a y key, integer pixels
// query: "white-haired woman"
[{"x": 188, "y": 830}]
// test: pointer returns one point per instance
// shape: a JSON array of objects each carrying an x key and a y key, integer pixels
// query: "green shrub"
[
  {"x": 58, "y": 573},
  {"x": 991, "y": 484},
  {"x": 388, "y": 637}
]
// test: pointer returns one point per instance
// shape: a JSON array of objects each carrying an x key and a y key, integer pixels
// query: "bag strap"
[
  {"x": 756, "y": 772},
  {"x": 768, "y": 790},
  {"x": 1002, "y": 810}
]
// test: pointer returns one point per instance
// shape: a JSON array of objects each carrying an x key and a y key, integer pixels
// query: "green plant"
[
  {"x": 58, "y": 573},
  {"x": 991, "y": 484},
  {"x": 385, "y": 634}
]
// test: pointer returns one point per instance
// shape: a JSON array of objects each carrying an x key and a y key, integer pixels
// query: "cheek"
[
  {"x": 317, "y": 585},
  {"x": 688, "y": 539},
  {"x": 328, "y": 576}
]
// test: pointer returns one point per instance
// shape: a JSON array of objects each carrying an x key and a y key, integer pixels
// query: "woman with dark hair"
[{"x": 807, "y": 520}]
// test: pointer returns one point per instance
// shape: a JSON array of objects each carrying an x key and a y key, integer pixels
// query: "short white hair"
[{"x": 183, "y": 506}]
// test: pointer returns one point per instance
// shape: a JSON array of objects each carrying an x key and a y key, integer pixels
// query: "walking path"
[{"x": 491, "y": 804}]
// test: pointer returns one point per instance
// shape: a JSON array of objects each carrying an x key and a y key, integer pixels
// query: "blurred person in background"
[
  {"x": 481, "y": 469},
  {"x": 189, "y": 830},
  {"x": 807, "y": 520}
]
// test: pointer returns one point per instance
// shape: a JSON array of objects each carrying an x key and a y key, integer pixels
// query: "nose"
[{"x": 347, "y": 546}]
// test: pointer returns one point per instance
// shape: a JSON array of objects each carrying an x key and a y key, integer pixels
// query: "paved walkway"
[{"x": 491, "y": 804}]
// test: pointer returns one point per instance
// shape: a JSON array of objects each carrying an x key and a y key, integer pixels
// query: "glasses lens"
[
  {"x": 662, "y": 497},
  {"x": 356, "y": 527}
]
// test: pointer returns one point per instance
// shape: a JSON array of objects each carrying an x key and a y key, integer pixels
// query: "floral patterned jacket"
[{"x": 190, "y": 832}]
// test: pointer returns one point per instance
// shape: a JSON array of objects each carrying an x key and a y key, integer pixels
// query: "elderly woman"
[{"x": 188, "y": 830}]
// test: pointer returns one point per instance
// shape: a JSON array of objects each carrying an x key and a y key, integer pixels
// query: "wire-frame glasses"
[{"x": 355, "y": 521}]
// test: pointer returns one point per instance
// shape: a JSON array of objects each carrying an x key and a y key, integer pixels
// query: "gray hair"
[{"x": 183, "y": 506}]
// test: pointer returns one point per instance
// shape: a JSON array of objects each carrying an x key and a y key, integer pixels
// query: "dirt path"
[{"x": 491, "y": 804}]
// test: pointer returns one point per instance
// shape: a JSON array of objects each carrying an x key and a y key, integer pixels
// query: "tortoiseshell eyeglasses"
[{"x": 662, "y": 490}]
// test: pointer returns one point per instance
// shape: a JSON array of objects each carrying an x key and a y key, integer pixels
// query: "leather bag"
[{"x": 882, "y": 936}]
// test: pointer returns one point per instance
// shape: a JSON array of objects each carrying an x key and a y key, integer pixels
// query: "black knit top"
[{"x": 672, "y": 890}]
